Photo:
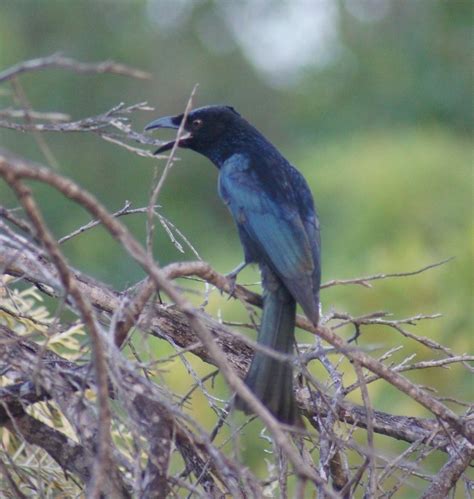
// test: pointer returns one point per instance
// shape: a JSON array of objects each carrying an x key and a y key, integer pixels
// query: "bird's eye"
[{"x": 197, "y": 123}]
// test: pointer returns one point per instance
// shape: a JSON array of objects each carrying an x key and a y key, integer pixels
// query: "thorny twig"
[{"x": 106, "y": 300}]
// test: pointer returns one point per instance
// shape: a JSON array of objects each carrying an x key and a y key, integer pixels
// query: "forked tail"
[{"x": 271, "y": 379}]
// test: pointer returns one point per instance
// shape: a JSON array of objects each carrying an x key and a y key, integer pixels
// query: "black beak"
[{"x": 167, "y": 122}]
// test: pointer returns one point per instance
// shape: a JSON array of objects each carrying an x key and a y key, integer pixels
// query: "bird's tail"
[{"x": 271, "y": 379}]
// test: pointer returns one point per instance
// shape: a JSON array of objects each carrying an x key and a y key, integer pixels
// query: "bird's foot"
[{"x": 232, "y": 278}]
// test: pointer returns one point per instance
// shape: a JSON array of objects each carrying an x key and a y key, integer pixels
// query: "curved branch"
[{"x": 168, "y": 323}]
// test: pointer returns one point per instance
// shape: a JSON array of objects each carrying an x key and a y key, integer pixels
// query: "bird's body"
[{"x": 273, "y": 209}]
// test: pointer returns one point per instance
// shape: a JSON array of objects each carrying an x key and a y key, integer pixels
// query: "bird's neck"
[
  {"x": 247, "y": 145},
  {"x": 218, "y": 154}
]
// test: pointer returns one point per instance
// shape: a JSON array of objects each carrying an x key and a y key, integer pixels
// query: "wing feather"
[{"x": 275, "y": 226}]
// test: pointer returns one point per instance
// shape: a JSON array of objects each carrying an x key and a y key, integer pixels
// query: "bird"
[{"x": 273, "y": 209}]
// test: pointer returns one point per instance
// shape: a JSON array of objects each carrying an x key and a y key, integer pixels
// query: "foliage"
[{"x": 34, "y": 471}]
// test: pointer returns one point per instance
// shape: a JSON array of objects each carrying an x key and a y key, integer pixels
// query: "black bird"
[{"x": 273, "y": 209}]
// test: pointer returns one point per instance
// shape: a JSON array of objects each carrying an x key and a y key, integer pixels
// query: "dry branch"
[
  {"x": 61, "y": 62},
  {"x": 170, "y": 324},
  {"x": 69, "y": 284},
  {"x": 68, "y": 454},
  {"x": 14, "y": 168},
  {"x": 33, "y": 115},
  {"x": 450, "y": 473}
]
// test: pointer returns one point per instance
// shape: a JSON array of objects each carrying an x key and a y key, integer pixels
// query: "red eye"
[{"x": 197, "y": 123}]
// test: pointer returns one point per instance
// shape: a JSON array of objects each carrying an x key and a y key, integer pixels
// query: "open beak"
[{"x": 168, "y": 122}]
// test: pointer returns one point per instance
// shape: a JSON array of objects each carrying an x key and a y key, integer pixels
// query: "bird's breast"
[
  {"x": 237, "y": 163},
  {"x": 233, "y": 172}
]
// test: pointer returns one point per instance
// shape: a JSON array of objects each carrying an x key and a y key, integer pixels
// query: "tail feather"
[{"x": 271, "y": 379}]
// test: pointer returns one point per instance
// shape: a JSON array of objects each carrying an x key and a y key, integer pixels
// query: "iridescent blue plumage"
[
  {"x": 277, "y": 224},
  {"x": 273, "y": 209}
]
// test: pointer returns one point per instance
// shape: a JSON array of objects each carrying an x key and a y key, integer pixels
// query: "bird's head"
[{"x": 204, "y": 130}]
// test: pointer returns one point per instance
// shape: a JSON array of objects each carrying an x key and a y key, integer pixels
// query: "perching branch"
[
  {"x": 20, "y": 168},
  {"x": 170, "y": 324}
]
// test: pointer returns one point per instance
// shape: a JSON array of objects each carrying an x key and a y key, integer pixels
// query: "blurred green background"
[{"x": 370, "y": 99}]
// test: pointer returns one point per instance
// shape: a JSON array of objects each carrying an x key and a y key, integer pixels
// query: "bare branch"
[
  {"x": 168, "y": 323},
  {"x": 125, "y": 210},
  {"x": 417, "y": 365},
  {"x": 450, "y": 473},
  {"x": 13, "y": 169},
  {"x": 159, "y": 183},
  {"x": 61, "y": 62},
  {"x": 33, "y": 115},
  {"x": 150, "y": 413},
  {"x": 100, "y": 125},
  {"x": 90, "y": 124},
  {"x": 365, "y": 281},
  {"x": 69, "y": 455},
  {"x": 70, "y": 285}
]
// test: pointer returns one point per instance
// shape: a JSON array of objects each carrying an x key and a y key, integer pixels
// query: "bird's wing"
[
  {"x": 269, "y": 216},
  {"x": 311, "y": 223}
]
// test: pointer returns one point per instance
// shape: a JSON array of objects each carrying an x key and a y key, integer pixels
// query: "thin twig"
[
  {"x": 150, "y": 228},
  {"x": 33, "y": 115},
  {"x": 365, "y": 281},
  {"x": 59, "y": 61},
  {"x": 125, "y": 210}
]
